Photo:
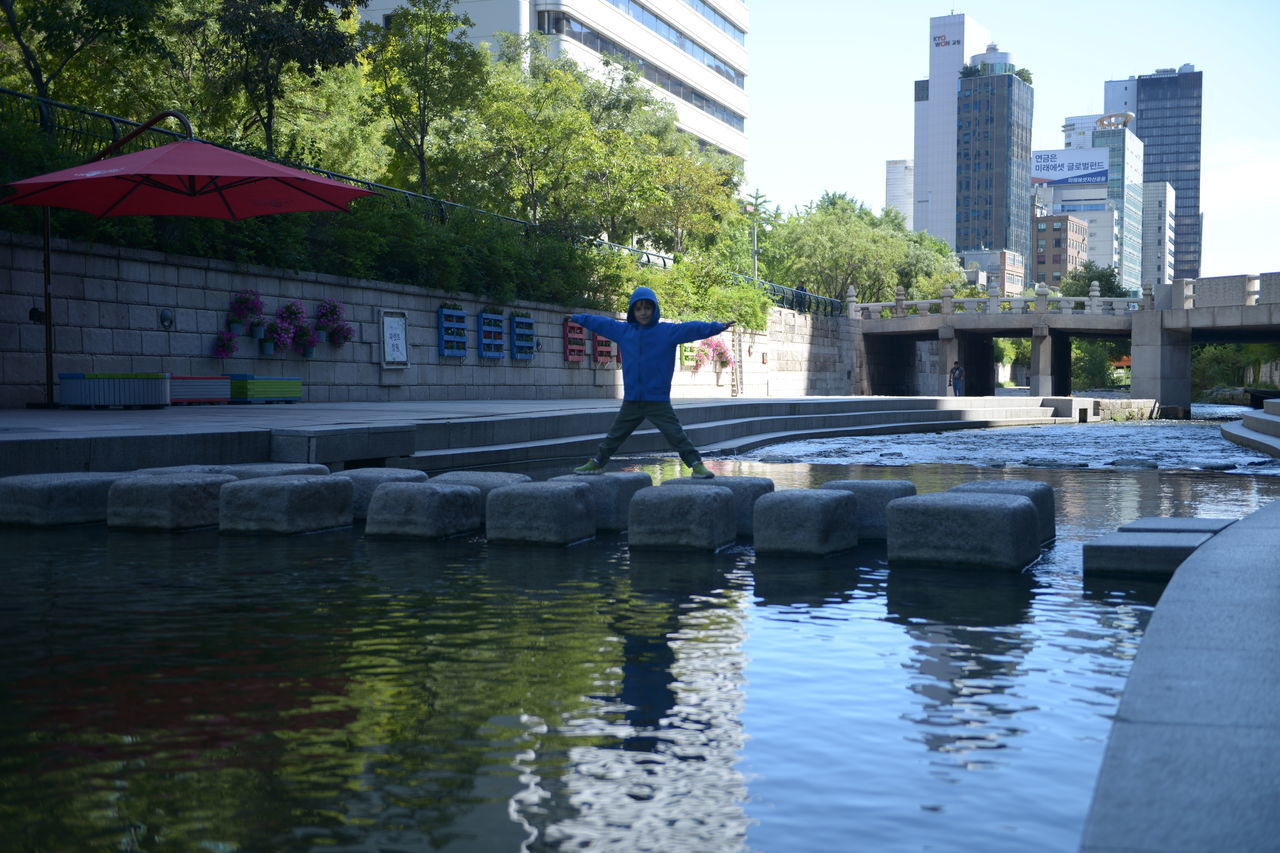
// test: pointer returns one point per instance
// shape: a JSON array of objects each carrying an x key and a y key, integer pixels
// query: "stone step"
[
  {"x": 1237, "y": 432},
  {"x": 1264, "y": 423},
  {"x": 730, "y": 436},
  {"x": 1271, "y": 406}
]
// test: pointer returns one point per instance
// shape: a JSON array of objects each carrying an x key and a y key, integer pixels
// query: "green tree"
[
  {"x": 1076, "y": 282},
  {"x": 51, "y": 37},
  {"x": 264, "y": 40},
  {"x": 692, "y": 199},
  {"x": 423, "y": 72}
]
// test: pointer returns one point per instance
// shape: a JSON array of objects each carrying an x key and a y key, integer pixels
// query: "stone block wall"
[{"x": 121, "y": 310}]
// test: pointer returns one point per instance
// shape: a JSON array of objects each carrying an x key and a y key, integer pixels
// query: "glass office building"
[
  {"x": 1167, "y": 110},
  {"x": 993, "y": 157}
]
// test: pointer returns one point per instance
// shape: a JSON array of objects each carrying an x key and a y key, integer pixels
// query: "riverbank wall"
[{"x": 118, "y": 310}]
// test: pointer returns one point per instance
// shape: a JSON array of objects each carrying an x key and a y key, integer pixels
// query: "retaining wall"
[{"x": 119, "y": 310}]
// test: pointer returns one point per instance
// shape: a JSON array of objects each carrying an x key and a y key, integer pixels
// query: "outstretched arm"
[
  {"x": 606, "y": 326},
  {"x": 697, "y": 330}
]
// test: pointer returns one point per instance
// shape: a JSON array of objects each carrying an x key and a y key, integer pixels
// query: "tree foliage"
[
  {"x": 424, "y": 73},
  {"x": 1076, "y": 282}
]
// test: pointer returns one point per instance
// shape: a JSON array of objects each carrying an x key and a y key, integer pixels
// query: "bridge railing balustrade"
[{"x": 902, "y": 308}]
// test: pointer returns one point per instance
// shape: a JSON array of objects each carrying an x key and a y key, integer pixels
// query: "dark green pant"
[{"x": 662, "y": 416}]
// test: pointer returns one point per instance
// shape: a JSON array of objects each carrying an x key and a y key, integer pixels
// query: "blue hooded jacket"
[{"x": 648, "y": 352}]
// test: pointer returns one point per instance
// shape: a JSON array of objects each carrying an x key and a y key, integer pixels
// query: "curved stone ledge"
[{"x": 1191, "y": 760}]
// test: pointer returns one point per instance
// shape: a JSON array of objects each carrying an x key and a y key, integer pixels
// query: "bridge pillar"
[
  {"x": 1041, "y": 373},
  {"x": 1161, "y": 363},
  {"x": 948, "y": 353}
]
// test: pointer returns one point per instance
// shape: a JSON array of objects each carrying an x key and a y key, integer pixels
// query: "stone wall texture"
[{"x": 121, "y": 310}]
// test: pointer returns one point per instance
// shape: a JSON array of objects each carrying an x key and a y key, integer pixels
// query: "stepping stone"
[
  {"x": 365, "y": 480},
  {"x": 43, "y": 500},
  {"x": 252, "y": 470},
  {"x": 746, "y": 491},
  {"x": 1040, "y": 494},
  {"x": 183, "y": 469},
  {"x": 873, "y": 497},
  {"x": 485, "y": 481},
  {"x": 291, "y": 504},
  {"x": 1141, "y": 554},
  {"x": 701, "y": 517},
  {"x": 806, "y": 521},
  {"x": 543, "y": 513},
  {"x": 180, "y": 501},
  {"x": 611, "y": 495},
  {"x": 423, "y": 510},
  {"x": 963, "y": 530},
  {"x": 1177, "y": 525}
]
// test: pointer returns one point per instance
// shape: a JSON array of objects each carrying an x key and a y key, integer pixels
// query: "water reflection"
[
  {"x": 196, "y": 691},
  {"x": 968, "y": 647}
]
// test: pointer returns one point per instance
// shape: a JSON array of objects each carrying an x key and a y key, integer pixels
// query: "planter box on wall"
[
  {"x": 453, "y": 332},
  {"x": 575, "y": 342},
  {"x": 491, "y": 335},
  {"x": 523, "y": 342}
]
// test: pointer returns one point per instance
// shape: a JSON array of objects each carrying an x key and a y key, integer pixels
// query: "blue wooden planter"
[
  {"x": 523, "y": 343},
  {"x": 452, "y": 327}
]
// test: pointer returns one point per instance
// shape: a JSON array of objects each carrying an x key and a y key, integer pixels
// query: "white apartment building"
[
  {"x": 899, "y": 187},
  {"x": 692, "y": 53},
  {"x": 952, "y": 40},
  {"x": 1158, "y": 205}
]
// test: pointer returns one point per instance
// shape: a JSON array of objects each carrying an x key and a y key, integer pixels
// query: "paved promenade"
[{"x": 440, "y": 435}]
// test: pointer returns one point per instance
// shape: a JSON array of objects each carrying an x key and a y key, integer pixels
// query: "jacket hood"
[{"x": 644, "y": 293}]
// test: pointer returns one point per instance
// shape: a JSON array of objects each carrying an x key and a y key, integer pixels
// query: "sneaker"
[
  {"x": 700, "y": 471},
  {"x": 590, "y": 467}
]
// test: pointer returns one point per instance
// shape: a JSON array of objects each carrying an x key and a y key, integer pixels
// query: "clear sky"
[{"x": 831, "y": 88}]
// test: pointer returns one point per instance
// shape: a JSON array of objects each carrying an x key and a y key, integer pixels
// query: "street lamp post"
[{"x": 755, "y": 252}]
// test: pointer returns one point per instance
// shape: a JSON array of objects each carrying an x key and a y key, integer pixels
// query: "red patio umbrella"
[{"x": 184, "y": 178}]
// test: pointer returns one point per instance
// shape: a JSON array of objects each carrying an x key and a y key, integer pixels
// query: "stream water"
[{"x": 194, "y": 691}]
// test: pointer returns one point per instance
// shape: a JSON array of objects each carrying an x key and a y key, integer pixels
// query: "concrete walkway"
[
  {"x": 442, "y": 435},
  {"x": 1193, "y": 760}
]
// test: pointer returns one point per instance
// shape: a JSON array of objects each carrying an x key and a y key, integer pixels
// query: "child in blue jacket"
[{"x": 648, "y": 350}]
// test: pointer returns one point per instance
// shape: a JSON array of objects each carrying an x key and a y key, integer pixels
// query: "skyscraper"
[
  {"x": 1167, "y": 107},
  {"x": 952, "y": 40},
  {"x": 993, "y": 156},
  {"x": 692, "y": 52},
  {"x": 899, "y": 183}
]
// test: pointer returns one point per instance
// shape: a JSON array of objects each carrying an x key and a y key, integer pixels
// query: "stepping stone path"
[
  {"x": 485, "y": 481},
  {"x": 550, "y": 513},
  {"x": 365, "y": 480},
  {"x": 873, "y": 499},
  {"x": 423, "y": 510},
  {"x": 701, "y": 517},
  {"x": 746, "y": 491},
  {"x": 43, "y": 500},
  {"x": 611, "y": 495},
  {"x": 1040, "y": 494},
  {"x": 290, "y": 504},
  {"x": 179, "y": 501},
  {"x": 806, "y": 521},
  {"x": 967, "y": 530}
]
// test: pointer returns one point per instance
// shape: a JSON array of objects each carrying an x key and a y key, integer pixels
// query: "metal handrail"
[{"x": 79, "y": 125}]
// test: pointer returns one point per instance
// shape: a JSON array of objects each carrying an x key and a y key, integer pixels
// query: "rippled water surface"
[{"x": 326, "y": 692}]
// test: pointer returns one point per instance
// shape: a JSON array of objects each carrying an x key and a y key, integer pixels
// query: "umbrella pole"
[{"x": 48, "y": 315}]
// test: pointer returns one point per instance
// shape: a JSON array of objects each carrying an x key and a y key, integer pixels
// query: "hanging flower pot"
[
  {"x": 266, "y": 346},
  {"x": 322, "y": 335},
  {"x": 235, "y": 327},
  {"x": 308, "y": 352},
  {"x": 258, "y": 331}
]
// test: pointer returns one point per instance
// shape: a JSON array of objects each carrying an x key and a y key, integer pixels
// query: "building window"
[
  {"x": 560, "y": 24},
  {"x": 1040, "y": 226}
]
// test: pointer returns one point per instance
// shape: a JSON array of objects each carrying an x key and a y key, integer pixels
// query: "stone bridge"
[{"x": 1162, "y": 325}]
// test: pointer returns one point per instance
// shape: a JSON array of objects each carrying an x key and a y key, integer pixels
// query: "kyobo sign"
[{"x": 1069, "y": 166}]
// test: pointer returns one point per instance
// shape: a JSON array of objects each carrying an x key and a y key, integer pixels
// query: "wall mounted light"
[{"x": 166, "y": 318}]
